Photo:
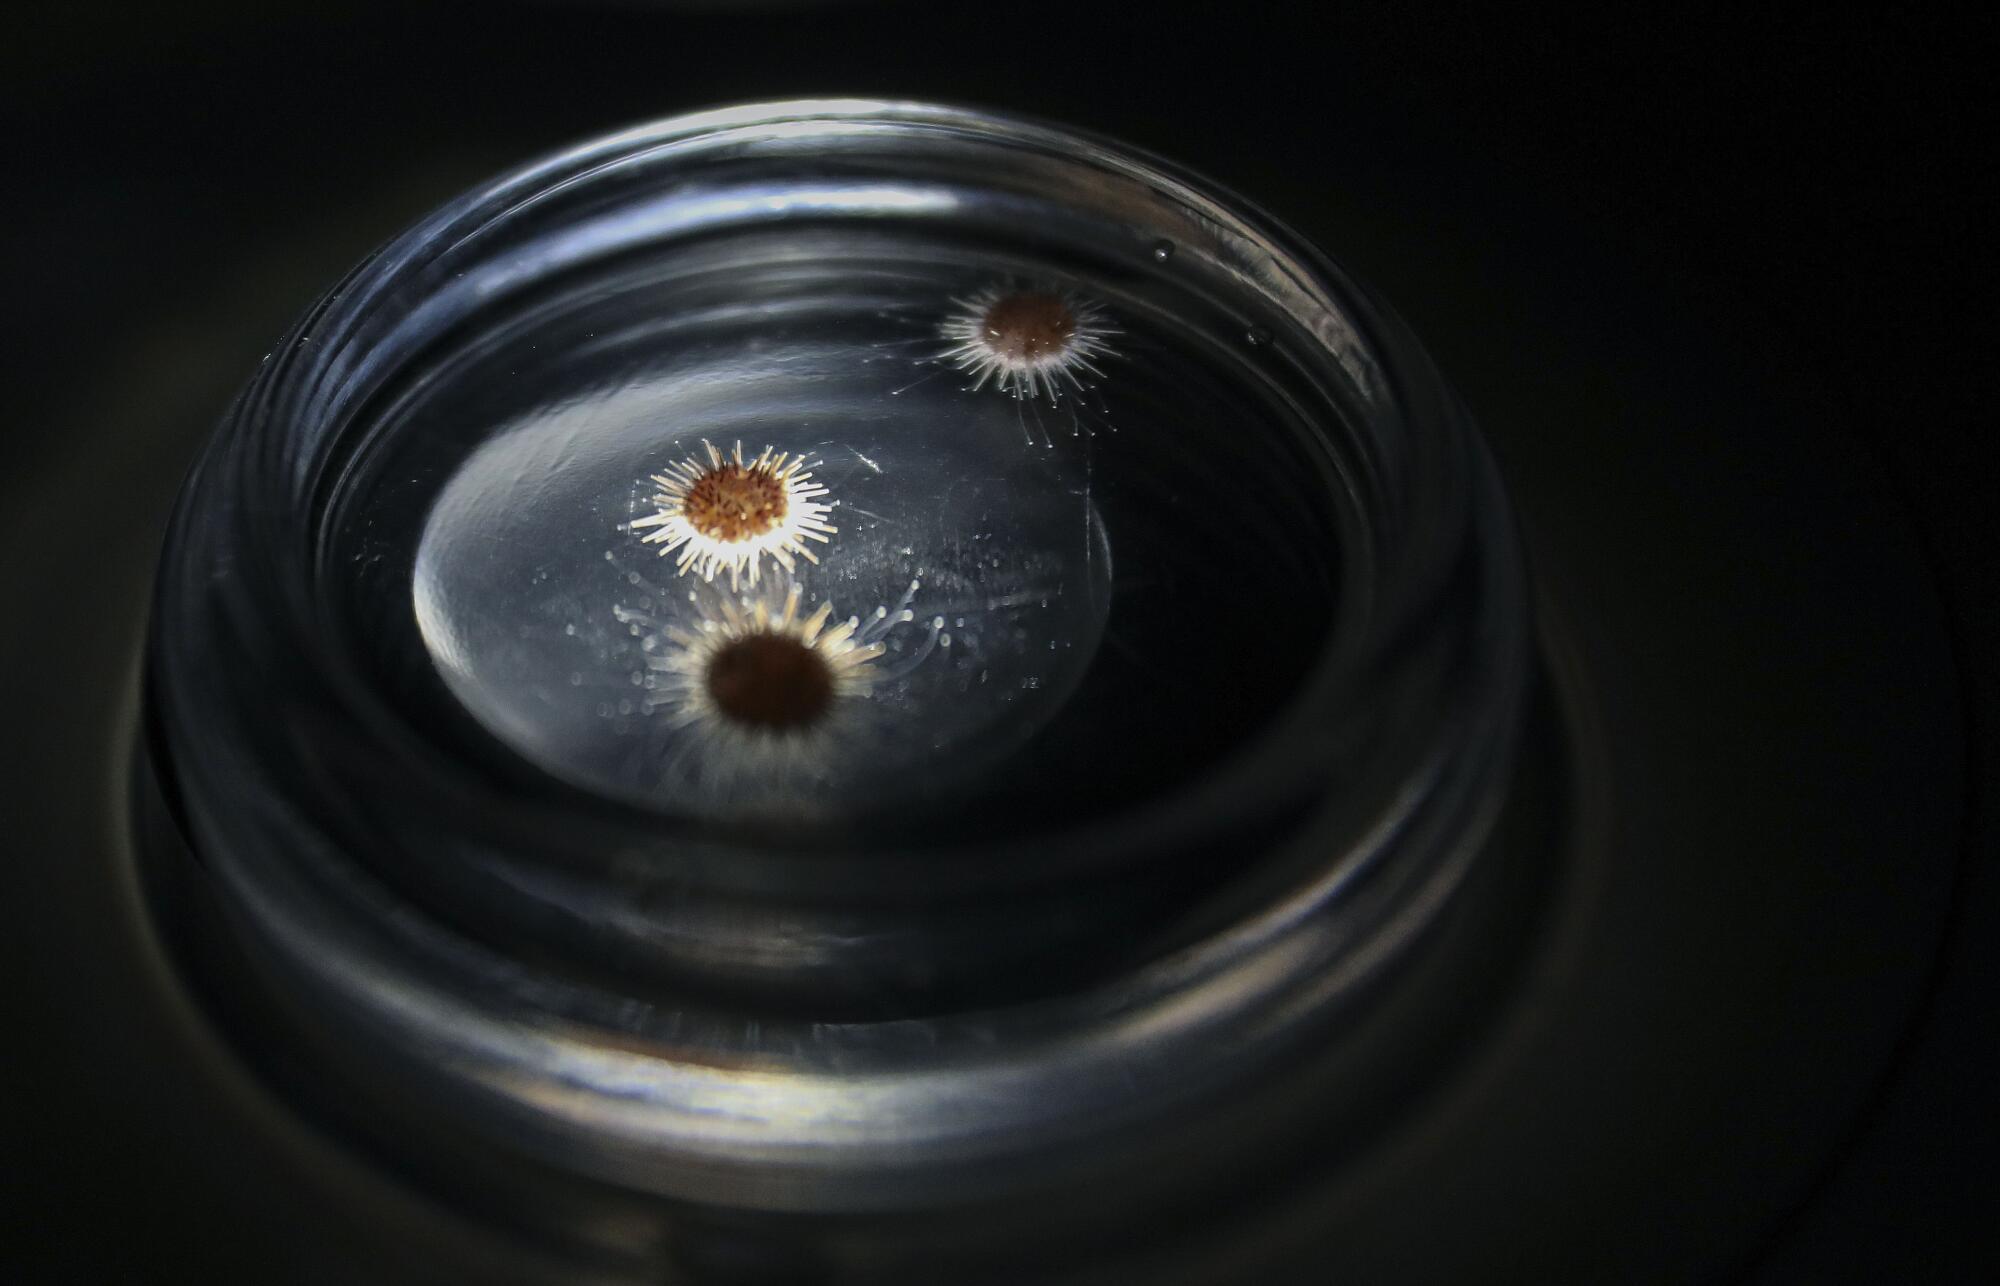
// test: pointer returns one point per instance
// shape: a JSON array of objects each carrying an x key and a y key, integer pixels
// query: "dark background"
[{"x": 1810, "y": 192}]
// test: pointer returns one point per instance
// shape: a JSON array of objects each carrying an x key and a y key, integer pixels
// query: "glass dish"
[{"x": 1133, "y": 687}]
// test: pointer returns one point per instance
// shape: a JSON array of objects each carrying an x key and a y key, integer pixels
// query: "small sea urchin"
[
  {"x": 766, "y": 671},
  {"x": 728, "y": 513},
  {"x": 1027, "y": 341},
  {"x": 759, "y": 699}
]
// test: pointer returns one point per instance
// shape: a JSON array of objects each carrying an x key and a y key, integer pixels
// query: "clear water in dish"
[{"x": 1105, "y": 592}]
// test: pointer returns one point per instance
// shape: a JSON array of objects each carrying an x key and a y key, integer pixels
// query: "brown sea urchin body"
[
  {"x": 733, "y": 502},
  {"x": 770, "y": 681},
  {"x": 1029, "y": 325}
]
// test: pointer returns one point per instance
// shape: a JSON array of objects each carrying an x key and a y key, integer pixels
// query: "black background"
[{"x": 1811, "y": 191}]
